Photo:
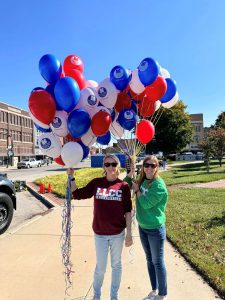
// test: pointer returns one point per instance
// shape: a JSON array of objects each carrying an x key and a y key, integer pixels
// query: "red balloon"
[
  {"x": 137, "y": 97},
  {"x": 157, "y": 89},
  {"x": 123, "y": 102},
  {"x": 59, "y": 160},
  {"x": 147, "y": 107},
  {"x": 100, "y": 123},
  {"x": 145, "y": 131},
  {"x": 73, "y": 62},
  {"x": 42, "y": 106},
  {"x": 78, "y": 76},
  {"x": 70, "y": 138}
]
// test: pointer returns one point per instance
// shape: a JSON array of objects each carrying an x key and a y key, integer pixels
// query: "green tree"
[
  {"x": 207, "y": 147},
  {"x": 217, "y": 136},
  {"x": 173, "y": 130},
  {"x": 220, "y": 121}
]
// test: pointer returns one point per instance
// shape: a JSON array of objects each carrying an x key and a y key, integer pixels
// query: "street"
[{"x": 28, "y": 206}]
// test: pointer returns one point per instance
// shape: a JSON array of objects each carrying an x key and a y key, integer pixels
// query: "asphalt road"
[{"x": 28, "y": 206}]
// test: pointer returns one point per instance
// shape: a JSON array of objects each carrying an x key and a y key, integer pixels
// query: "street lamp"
[{"x": 10, "y": 152}]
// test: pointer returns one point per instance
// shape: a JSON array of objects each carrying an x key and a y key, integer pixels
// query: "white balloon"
[
  {"x": 135, "y": 83},
  {"x": 164, "y": 72},
  {"x": 172, "y": 102},
  {"x": 88, "y": 99},
  {"x": 88, "y": 139},
  {"x": 36, "y": 121},
  {"x": 116, "y": 129},
  {"x": 59, "y": 123},
  {"x": 72, "y": 154},
  {"x": 49, "y": 144},
  {"x": 92, "y": 84},
  {"x": 158, "y": 104},
  {"x": 107, "y": 93}
]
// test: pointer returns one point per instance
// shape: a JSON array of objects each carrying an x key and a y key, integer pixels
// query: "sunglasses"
[
  {"x": 113, "y": 164},
  {"x": 147, "y": 165}
]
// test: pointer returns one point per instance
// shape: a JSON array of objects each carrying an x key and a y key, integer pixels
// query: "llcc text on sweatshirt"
[{"x": 112, "y": 200}]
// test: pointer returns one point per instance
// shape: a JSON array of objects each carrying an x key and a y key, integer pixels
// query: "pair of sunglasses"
[
  {"x": 147, "y": 165},
  {"x": 113, "y": 164}
]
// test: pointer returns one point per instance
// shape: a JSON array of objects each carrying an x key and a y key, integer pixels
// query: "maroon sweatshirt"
[{"x": 112, "y": 199}]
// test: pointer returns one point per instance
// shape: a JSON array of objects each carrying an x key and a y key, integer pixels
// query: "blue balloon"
[
  {"x": 42, "y": 129},
  {"x": 104, "y": 139},
  {"x": 120, "y": 77},
  {"x": 50, "y": 89},
  {"x": 78, "y": 122},
  {"x": 86, "y": 150},
  {"x": 148, "y": 70},
  {"x": 170, "y": 91},
  {"x": 67, "y": 93},
  {"x": 127, "y": 119},
  {"x": 50, "y": 68}
]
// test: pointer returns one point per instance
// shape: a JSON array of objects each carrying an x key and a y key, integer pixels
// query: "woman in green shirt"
[{"x": 151, "y": 198}]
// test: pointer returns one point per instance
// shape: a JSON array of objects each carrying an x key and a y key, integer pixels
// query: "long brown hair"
[{"x": 142, "y": 175}]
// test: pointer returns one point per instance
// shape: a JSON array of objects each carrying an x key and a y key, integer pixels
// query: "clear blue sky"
[{"x": 186, "y": 37}]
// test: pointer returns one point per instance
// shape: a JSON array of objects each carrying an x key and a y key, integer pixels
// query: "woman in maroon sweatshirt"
[{"x": 112, "y": 214}]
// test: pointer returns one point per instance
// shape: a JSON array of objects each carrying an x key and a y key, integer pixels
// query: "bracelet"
[{"x": 73, "y": 179}]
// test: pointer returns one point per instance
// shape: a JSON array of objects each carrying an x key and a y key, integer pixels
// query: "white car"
[{"x": 28, "y": 163}]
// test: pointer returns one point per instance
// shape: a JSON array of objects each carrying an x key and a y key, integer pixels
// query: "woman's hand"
[
  {"x": 70, "y": 171},
  {"x": 135, "y": 186},
  {"x": 128, "y": 240},
  {"x": 132, "y": 170}
]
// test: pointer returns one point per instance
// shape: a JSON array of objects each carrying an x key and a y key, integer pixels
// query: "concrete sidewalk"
[{"x": 31, "y": 263}]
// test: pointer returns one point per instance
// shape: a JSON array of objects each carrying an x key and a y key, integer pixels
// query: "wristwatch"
[{"x": 73, "y": 179}]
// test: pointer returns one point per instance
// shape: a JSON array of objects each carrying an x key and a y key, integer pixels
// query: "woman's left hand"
[
  {"x": 135, "y": 186},
  {"x": 128, "y": 240}
]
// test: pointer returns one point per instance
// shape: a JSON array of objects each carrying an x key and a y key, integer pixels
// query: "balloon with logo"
[
  {"x": 120, "y": 77},
  {"x": 79, "y": 122},
  {"x": 73, "y": 62},
  {"x": 49, "y": 144},
  {"x": 59, "y": 123},
  {"x": 67, "y": 93},
  {"x": 127, "y": 119},
  {"x": 71, "y": 154},
  {"x": 50, "y": 68},
  {"x": 148, "y": 70},
  {"x": 88, "y": 100},
  {"x": 107, "y": 93}
]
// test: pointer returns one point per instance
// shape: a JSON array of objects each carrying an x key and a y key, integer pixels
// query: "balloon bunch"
[{"x": 74, "y": 113}]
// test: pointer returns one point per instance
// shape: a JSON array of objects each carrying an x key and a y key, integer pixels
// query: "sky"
[{"x": 186, "y": 37}]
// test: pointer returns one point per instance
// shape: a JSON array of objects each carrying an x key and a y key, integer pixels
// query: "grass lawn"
[
  {"x": 196, "y": 226},
  {"x": 193, "y": 173}
]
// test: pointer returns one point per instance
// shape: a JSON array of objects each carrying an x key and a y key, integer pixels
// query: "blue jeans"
[
  {"x": 153, "y": 244},
  {"x": 104, "y": 243}
]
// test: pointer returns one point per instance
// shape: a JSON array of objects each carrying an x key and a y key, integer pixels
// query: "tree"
[
  {"x": 173, "y": 130},
  {"x": 207, "y": 147},
  {"x": 220, "y": 121},
  {"x": 217, "y": 135}
]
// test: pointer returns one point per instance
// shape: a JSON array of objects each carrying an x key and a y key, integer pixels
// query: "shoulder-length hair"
[
  {"x": 142, "y": 175},
  {"x": 116, "y": 159}
]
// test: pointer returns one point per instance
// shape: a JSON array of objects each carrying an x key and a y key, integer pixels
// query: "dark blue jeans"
[{"x": 153, "y": 244}]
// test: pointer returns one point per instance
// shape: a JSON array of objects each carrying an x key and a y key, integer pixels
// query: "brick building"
[{"x": 16, "y": 134}]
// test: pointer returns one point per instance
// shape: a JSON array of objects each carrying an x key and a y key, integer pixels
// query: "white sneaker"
[
  {"x": 151, "y": 295},
  {"x": 160, "y": 297}
]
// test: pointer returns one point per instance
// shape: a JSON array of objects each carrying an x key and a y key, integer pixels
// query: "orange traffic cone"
[
  {"x": 42, "y": 188},
  {"x": 49, "y": 188}
]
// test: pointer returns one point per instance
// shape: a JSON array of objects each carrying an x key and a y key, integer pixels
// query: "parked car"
[
  {"x": 28, "y": 163},
  {"x": 7, "y": 202}
]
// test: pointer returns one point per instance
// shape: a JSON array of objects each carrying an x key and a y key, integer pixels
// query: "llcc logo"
[
  {"x": 143, "y": 66},
  {"x": 46, "y": 143},
  {"x": 57, "y": 122},
  {"x": 92, "y": 100},
  {"x": 118, "y": 73},
  {"x": 102, "y": 91}
]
